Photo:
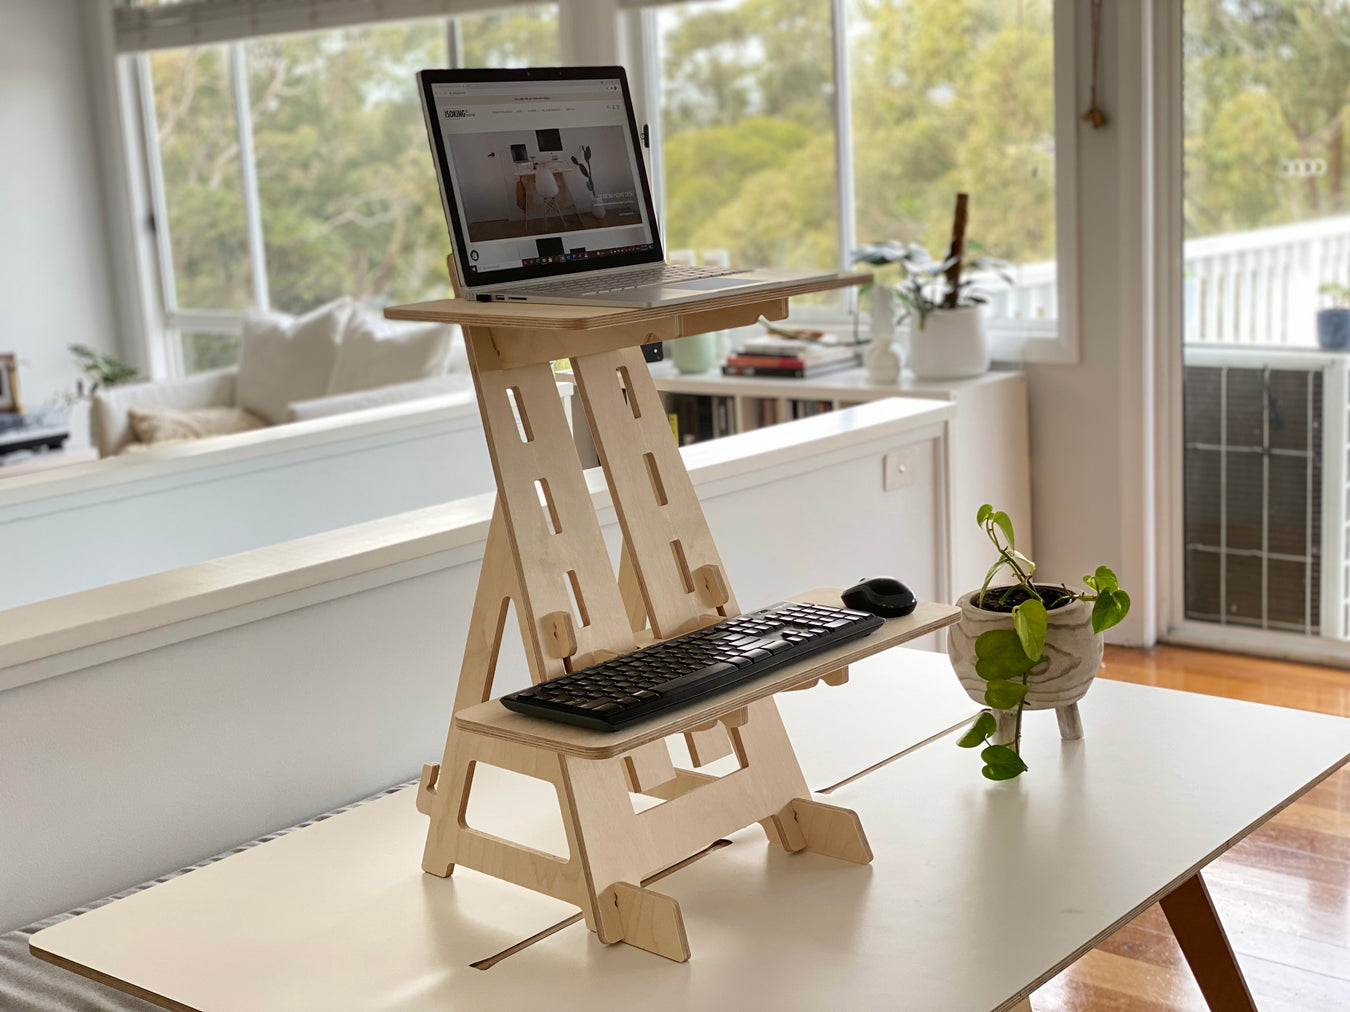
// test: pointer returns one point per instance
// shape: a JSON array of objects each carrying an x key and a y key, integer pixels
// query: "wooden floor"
[{"x": 1283, "y": 894}]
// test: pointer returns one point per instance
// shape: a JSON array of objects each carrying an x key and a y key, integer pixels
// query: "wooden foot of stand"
[
  {"x": 1195, "y": 922},
  {"x": 651, "y": 921},
  {"x": 1070, "y": 725}
]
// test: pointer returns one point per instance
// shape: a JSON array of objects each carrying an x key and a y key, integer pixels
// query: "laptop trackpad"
[{"x": 709, "y": 283}]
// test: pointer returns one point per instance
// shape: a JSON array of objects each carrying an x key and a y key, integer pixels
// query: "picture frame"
[{"x": 9, "y": 384}]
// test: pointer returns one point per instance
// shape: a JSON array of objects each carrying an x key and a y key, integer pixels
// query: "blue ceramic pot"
[{"x": 1333, "y": 329}]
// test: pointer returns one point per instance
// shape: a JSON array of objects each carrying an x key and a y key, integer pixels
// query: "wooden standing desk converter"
[
  {"x": 545, "y": 555},
  {"x": 979, "y": 892}
]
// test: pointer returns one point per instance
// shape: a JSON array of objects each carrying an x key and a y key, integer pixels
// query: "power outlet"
[{"x": 897, "y": 470}]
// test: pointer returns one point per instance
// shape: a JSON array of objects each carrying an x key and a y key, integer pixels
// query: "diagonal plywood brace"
[
  {"x": 558, "y": 551},
  {"x": 662, "y": 522}
]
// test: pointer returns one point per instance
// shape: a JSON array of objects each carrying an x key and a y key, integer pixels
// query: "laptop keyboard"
[{"x": 660, "y": 274}]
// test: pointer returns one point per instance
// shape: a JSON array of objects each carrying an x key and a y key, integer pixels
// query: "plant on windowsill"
[
  {"x": 96, "y": 372},
  {"x": 1027, "y": 646},
  {"x": 1333, "y": 322},
  {"x": 941, "y": 301}
]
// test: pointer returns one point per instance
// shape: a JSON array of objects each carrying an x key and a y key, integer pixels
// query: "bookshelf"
[{"x": 990, "y": 441}]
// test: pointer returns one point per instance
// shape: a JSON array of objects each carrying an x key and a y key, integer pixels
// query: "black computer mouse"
[{"x": 882, "y": 596}]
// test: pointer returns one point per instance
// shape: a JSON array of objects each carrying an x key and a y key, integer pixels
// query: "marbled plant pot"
[{"x": 1075, "y": 653}]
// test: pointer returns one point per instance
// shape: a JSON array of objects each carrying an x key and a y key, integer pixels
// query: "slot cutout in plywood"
[
  {"x": 519, "y": 824},
  {"x": 682, "y": 566},
  {"x": 654, "y": 473},
  {"x": 522, "y": 416},
  {"x": 626, "y": 385},
  {"x": 549, "y": 507},
  {"x": 578, "y": 601}
]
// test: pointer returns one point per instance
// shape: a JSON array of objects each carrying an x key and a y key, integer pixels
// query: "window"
[
  {"x": 936, "y": 98},
  {"x": 1265, "y": 225},
  {"x": 748, "y": 132},
  {"x": 294, "y": 168},
  {"x": 959, "y": 97},
  {"x": 291, "y": 168}
]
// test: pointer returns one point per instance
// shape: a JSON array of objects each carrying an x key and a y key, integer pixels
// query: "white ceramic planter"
[
  {"x": 1075, "y": 653},
  {"x": 951, "y": 345}
]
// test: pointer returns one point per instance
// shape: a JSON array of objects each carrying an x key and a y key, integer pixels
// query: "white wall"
[
  {"x": 55, "y": 281},
  {"x": 1091, "y": 435}
]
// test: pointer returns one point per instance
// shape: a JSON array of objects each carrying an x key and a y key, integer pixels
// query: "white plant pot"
[
  {"x": 598, "y": 207},
  {"x": 951, "y": 344},
  {"x": 882, "y": 358},
  {"x": 1075, "y": 653}
]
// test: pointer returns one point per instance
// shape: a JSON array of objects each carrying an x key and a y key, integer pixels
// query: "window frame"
[{"x": 627, "y": 31}]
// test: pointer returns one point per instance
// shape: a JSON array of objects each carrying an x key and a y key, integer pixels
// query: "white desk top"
[{"x": 978, "y": 892}]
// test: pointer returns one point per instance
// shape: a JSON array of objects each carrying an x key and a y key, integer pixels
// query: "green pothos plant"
[{"x": 1006, "y": 658}]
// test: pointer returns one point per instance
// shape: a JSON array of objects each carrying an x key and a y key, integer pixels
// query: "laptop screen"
[{"x": 539, "y": 172}]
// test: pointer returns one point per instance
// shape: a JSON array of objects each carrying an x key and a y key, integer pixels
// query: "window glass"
[
  {"x": 523, "y": 37},
  {"x": 203, "y": 191},
  {"x": 203, "y": 351},
  {"x": 956, "y": 96},
  {"x": 748, "y": 132},
  {"x": 1266, "y": 263},
  {"x": 349, "y": 202}
]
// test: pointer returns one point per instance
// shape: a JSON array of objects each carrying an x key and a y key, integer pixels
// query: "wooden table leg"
[{"x": 1195, "y": 923}]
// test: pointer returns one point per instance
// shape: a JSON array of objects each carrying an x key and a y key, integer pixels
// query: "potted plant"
[
  {"x": 1333, "y": 323},
  {"x": 946, "y": 339},
  {"x": 96, "y": 372},
  {"x": 1027, "y": 646}
]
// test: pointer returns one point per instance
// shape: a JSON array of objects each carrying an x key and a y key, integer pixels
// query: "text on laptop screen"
[{"x": 542, "y": 172}]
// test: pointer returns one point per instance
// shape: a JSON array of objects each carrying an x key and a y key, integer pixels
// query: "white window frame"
[{"x": 622, "y": 31}]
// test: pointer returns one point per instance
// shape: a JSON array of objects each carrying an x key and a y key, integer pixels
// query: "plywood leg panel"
[
  {"x": 556, "y": 545},
  {"x": 1195, "y": 922}
]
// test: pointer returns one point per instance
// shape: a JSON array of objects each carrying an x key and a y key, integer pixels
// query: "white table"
[{"x": 979, "y": 891}]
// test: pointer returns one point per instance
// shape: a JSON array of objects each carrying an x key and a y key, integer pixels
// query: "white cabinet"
[{"x": 990, "y": 447}]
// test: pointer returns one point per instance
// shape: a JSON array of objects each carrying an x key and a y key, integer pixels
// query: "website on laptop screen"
[{"x": 542, "y": 172}]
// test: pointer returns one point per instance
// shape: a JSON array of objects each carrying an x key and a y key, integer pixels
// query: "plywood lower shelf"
[{"x": 495, "y": 721}]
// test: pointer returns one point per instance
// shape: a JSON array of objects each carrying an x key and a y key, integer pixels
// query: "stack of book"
[{"x": 777, "y": 356}]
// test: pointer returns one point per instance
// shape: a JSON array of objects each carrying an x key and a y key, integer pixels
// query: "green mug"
[{"x": 696, "y": 353}]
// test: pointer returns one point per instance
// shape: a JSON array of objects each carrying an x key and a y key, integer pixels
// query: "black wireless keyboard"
[{"x": 623, "y": 690}]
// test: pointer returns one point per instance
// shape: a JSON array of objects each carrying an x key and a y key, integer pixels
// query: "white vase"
[
  {"x": 598, "y": 207},
  {"x": 882, "y": 357},
  {"x": 950, "y": 345}
]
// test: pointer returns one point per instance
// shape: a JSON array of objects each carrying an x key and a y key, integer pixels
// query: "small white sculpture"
[{"x": 882, "y": 357}]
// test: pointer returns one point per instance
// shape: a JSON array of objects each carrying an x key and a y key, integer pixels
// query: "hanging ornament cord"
[{"x": 1094, "y": 114}]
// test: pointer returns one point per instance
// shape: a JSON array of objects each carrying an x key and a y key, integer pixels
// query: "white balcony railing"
[{"x": 1257, "y": 287}]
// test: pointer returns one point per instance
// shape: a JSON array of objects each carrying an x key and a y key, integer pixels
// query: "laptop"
[{"x": 546, "y": 194}]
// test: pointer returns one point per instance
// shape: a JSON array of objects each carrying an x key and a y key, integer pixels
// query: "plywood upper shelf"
[
  {"x": 496, "y": 721},
  {"x": 542, "y": 316},
  {"x": 520, "y": 334}
]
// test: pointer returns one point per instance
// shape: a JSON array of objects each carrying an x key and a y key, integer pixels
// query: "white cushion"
[
  {"x": 110, "y": 425},
  {"x": 163, "y": 425},
  {"x": 284, "y": 358},
  {"x": 374, "y": 355}
]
